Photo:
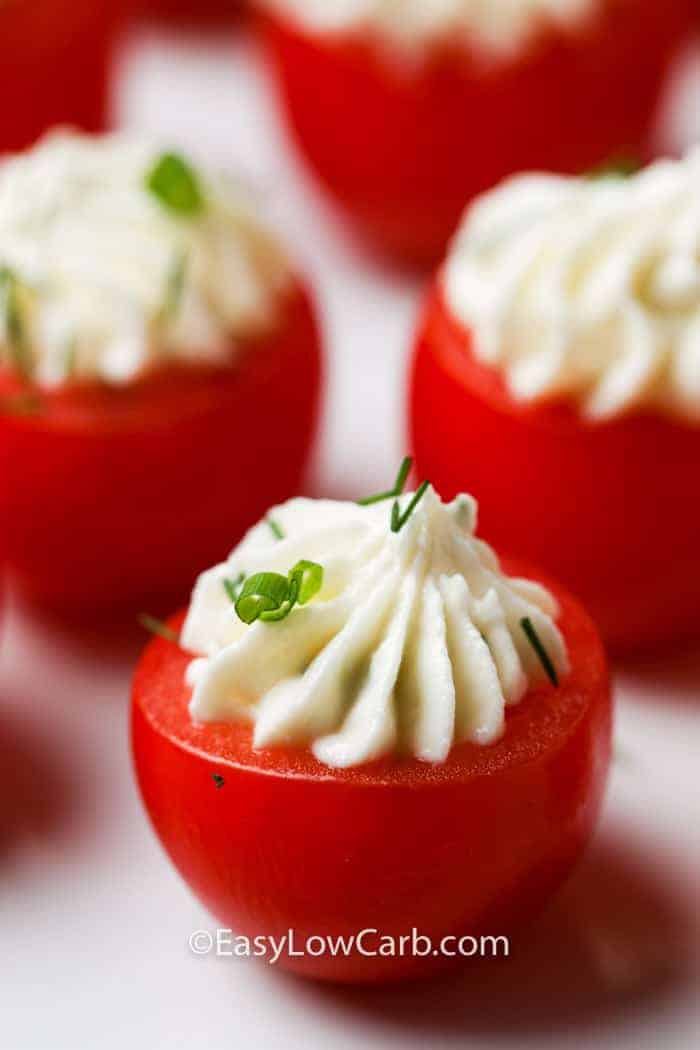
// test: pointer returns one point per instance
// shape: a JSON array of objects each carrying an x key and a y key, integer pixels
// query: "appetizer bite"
[
  {"x": 557, "y": 375},
  {"x": 55, "y": 60},
  {"x": 159, "y": 371},
  {"x": 363, "y": 722},
  {"x": 407, "y": 110}
]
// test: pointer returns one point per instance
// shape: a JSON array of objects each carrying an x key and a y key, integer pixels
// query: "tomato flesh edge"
[{"x": 474, "y": 846}]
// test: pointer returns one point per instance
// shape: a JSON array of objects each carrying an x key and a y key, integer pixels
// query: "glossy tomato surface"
[
  {"x": 473, "y": 846},
  {"x": 405, "y": 144},
  {"x": 612, "y": 509},
  {"x": 55, "y": 59},
  {"x": 115, "y": 497},
  {"x": 190, "y": 11}
]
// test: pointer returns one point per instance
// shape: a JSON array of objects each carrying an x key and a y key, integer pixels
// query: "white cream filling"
[
  {"x": 108, "y": 281},
  {"x": 587, "y": 289},
  {"x": 496, "y": 28},
  {"x": 414, "y": 643}
]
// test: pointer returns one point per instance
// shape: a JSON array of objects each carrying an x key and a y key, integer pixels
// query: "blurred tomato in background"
[{"x": 55, "y": 59}]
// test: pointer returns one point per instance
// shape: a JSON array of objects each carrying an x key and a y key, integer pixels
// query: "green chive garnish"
[
  {"x": 9, "y": 291},
  {"x": 176, "y": 185},
  {"x": 270, "y": 597},
  {"x": 174, "y": 287},
  {"x": 619, "y": 166},
  {"x": 159, "y": 628},
  {"x": 233, "y": 587},
  {"x": 399, "y": 485},
  {"x": 398, "y": 520},
  {"x": 543, "y": 656},
  {"x": 218, "y": 780},
  {"x": 275, "y": 528}
]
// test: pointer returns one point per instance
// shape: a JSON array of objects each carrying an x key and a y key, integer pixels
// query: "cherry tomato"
[
  {"x": 54, "y": 59},
  {"x": 612, "y": 509},
  {"x": 115, "y": 497},
  {"x": 193, "y": 10},
  {"x": 404, "y": 145},
  {"x": 272, "y": 840}
]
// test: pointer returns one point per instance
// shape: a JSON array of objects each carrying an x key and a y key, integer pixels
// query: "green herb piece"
[
  {"x": 9, "y": 290},
  {"x": 174, "y": 182},
  {"x": 70, "y": 359},
  {"x": 159, "y": 628},
  {"x": 399, "y": 485},
  {"x": 233, "y": 587},
  {"x": 174, "y": 287},
  {"x": 218, "y": 780},
  {"x": 398, "y": 520},
  {"x": 543, "y": 656},
  {"x": 619, "y": 166},
  {"x": 275, "y": 528},
  {"x": 261, "y": 593},
  {"x": 309, "y": 578},
  {"x": 270, "y": 597}
]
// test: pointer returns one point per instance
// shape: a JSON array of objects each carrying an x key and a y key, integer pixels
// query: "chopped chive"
[
  {"x": 270, "y": 597},
  {"x": 399, "y": 485},
  {"x": 9, "y": 287},
  {"x": 174, "y": 286},
  {"x": 275, "y": 528},
  {"x": 543, "y": 656},
  {"x": 233, "y": 587},
  {"x": 619, "y": 166},
  {"x": 218, "y": 780},
  {"x": 174, "y": 182},
  {"x": 70, "y": 359},
  {"x": 398, "y": 520},
  {"x": 159, "y": 628}
]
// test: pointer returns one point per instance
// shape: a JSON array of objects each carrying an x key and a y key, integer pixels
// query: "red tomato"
[
  {"x": 404, "y": 146},
  {"x": 54, "y": 58},
  {"x": 117, "y": 497},
  {"x": 193, "y": 10},
  {"x": 471, "y": 846},
  {"x": 612, "y": 509}
]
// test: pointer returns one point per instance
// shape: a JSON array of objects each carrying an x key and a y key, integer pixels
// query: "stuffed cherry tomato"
[
  {"x": 159, "y": 377},
  {"x": 367, "y": 726},
  {"x": 406, "y": 111},
  {"x": 55, "y": 60},
  {"x": 557, "y": 374}
]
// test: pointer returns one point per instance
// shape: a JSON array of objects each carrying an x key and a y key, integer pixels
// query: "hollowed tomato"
[
  {"x": 115, "y": 498},
  {"x": 404, "y": 144},
  {"x": 272, "y": 840},
  {"x": 610, "y": 508}
]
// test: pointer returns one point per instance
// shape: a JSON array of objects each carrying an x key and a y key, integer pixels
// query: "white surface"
[{"x": 94, "y": 922}]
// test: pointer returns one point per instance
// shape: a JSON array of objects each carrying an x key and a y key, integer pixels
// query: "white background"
[{"x": 94, "y": 922}]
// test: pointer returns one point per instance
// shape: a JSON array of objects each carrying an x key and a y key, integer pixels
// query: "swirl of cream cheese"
[
  {"x": 109, "y": 281},
  {"x": 587, "y": 290},
  {"x": 414, "y": 643},
  {"x": 496, "y": 29}
]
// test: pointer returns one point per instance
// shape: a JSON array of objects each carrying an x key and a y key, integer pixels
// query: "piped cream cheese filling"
[
  {"x": 587, "y": 290},
  {"x": 498, "y": 29},
  {"x": 414, "y": 643},
  {"x": 101, "y": 279}
]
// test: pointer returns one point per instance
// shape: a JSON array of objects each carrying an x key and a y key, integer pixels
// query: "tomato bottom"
[
  {"x": 611, "y": 509},
  {"x": 404, "y": 146},
  {"x": 279, "y": 842},
  {"x": 114, "y": 499}
]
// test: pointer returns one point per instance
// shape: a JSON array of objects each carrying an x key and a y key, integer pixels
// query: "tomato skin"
[
  {"x": 113, "y": 499},
  {"x": 193, "y": 10},
  {"x": 476, "y": 845},
  {"x": 404, "y": 146},
  {"x": 54, "y": 58},
  {"x": 612, "y": 509}
]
